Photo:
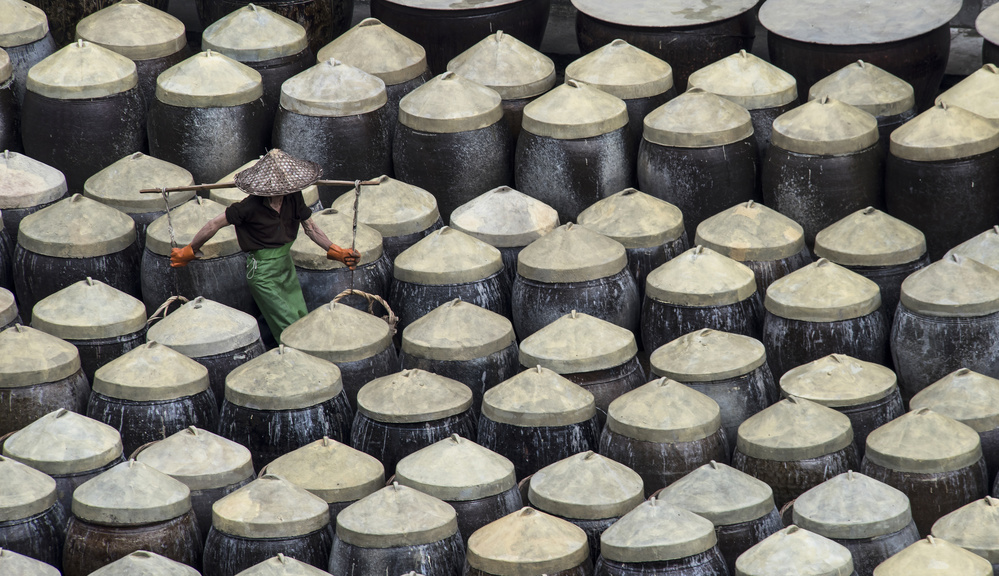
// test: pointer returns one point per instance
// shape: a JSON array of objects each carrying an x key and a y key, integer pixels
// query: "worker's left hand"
[
  {"x": 348, "y": 256},
  {"x": 179, "y": 257}
]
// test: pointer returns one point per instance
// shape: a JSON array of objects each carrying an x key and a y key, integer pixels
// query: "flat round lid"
[
  {"x": 413, "y": 396},
  {"x": 339, "y": 229},
  {"x": 456, "y": 469},
  {"x": 64, "y": 442},
  {"x": 838, "y": 380},
  {"x": 76, "y": 227},
  {"x": 722, "y": 494},
  {"x": 825, "y": 127},
  {"x": 942, "y": 133},
  {"x": 129, "y": 494},
  {"x": 505, "y": 218},
  {"x": 199, "y": 459},
  {"x": 208, "y": 80},
  {"x": 573, "y": 111},
  {"x": 865, "y": 86},
  {"x": 13, "y": 564},
  {"x": 270, "y": 507},
  {"x": 24, "y": 491},
  {"x": 187, "y": 220},
  {"x": 118, "y": 185},
  {"x": 392, "y": 207},
  {"x": 379, "y": 50},
  {"x": 204, "y": 327},
  {"x": 135, "y": 30},
  {"x": 952, "y": 287},
  {"x": 457, "y": 331},
  {"x": 507, "y": 65},
  {"x": 670, "y": 14},
  {"x": 332, "y": 471},
  {"x": 82, "y": 71},
  {"x": 283, "y": 379},
  {"x": 255, "y": 34},
  {"x": 525, "y": 543},
  {"x": 396, "y": 516},
  {"x": 855, "y": 21},
  {"x": 8, "y": 307},
  {"x": 664, "y": 412},
  {"x": 747, "y": 80},
  {"x": 634, "y": 219},
  {"x": 924, "y": 441},
  {"x": 538, "y": 397},
  {"x": 987, "y": 24},
  {"x": 983, "y": 248},
  {"x": 701, "y": 277},
  {"x": 89, "y": 310},
  {"x": 968, "y": 397},
  {"x": 934, "y": 556},
  {"x": 708, "y": 355},
  {"x": 338, "y": 333},
  {"x": 26, "y": 182},
  {"x": 21, "y": 23},
  {"x": 448, "y": 104},
  {"x": 151, "y": 373},
  {"x": 29, "y": 357},
  {"x": 577, "y": 343},
  {"x": 622, "y": 70},
  {"x": 795, "y": 550},
  {"x": 822, "y": 292},
  {"x": 974, "y": 527},
  {"x": 751, "y": 232},
  {"x": 852, "y": 506},
  {"x": 657, "y": 531},
  {"x": 143, "y": 563},
  {"x": 869, "y": 237},
  {"x": 229, "y": 196},
  {"x": 282, "y": 565},
  {"x": 794, "y": 429},
  {"x": 586, "y": 486},
  {"x": 571, "y": 253},
  {"x": 447, "y": 256},
  {"x": 333, "y": 89}
]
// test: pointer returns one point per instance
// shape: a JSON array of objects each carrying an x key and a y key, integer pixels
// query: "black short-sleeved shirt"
[{"x": 258, "y": 226}]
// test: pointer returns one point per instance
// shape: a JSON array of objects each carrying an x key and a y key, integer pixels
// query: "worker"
[{"x": 266, "y": 224}]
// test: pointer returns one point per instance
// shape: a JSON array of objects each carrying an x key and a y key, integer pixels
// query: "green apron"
[{"x": 274, "y": 285}]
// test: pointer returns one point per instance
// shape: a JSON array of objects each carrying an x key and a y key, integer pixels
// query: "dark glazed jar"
[
  {"x": 525, "y": 542},
  {"x": 323, "y": 20},
  {"x": 6, "y": 273},
  {"x": 10, "y": 108},
  {"x": 796, "y": 551},
  {"x": 931, "y": 555},
  {"x": 25, "y": 36},
  {"x": 972, "y": 527},
  {"x": 32, "y": 521},
  {"x": 18, "y": 198},
  {"x": 148, "y": 563}
]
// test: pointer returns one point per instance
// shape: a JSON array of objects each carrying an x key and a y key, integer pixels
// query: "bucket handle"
[
  {"x": 161, "y": 312},
  {"x": 391, "y": 318}
]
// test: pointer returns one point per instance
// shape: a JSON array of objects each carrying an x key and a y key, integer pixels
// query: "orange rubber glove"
[
  {"x": 179, "y": 257},
  {"x": 348, "y": 256}
]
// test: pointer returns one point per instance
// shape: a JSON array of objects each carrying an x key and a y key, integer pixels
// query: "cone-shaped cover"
[
  {"x": 852, "y": 506},
  {"x": 379, "y": 50},
  {"x": 795, "y": 551},
  {"x": 26, "y": 182},
  {"x": 449, "y": 103},
  {"x": 204, "y": 327},
  {"x": 794, "y": 429},
  {"x": 867, "y": 87},
  {"x": 187, "y": 220},
  {"x": 82, "y": 71},
  {"x": 656, "y": 531},
  {"x": 412, "y": 396},
  {"x": 869, "y": 237},
  {"x": 838, "y": 380},
  {"x": 255, "y": 34},
  {"x": 6, "y": 69},
  {"x": 923, "y": 442},
  {"x": 392, "y": 207},
  {"x": 76, "y": 227},
  {"x": 24, "y": 491},
  {"x": 721, "y": 494},
  {"x": 338, "y": 333},
  {"x": 270, "y": 507},
  {"x": 622, "y": 70},
  {"x": 968, "y": 397},
  {"x": 976, "y": 93},
  {"x": 131, "y": 493},
  {"x": 206, "y": 80},
  {"x": 934, "y": 556},
  {"x": 822, "y": 292},
  {"x": 578, "y": 343},
  {"x": 571, "y": 253},
  {"x": 507, "y": 65},
  {"x": 669, "y": 14},
  {"x": 944, "y": 132},
  {"x": 396, "y": 516},
  {"x": 751, "y": 232},
  {"x": 339, "y": 229},
  {"x": 457, "y": 331},
  {"x": 983, "y": 248},
  {"x": 135, "y": 30},
  {"x": 697, "y": 119},
  {"x": 8, "y": 307},
  {"x": 525, "y": 543},
  {"x": 664, "y": 411},
  {"x": 29, "y": 357},
  {"x": 586, "y": 486},
  {"x": 64, "y": 442},
  {"x": 150, "y": 373},
  {"x": 89, "y": 310},
  {"x": 635, "y": 219},
  {"x": 456, "y": 469},
  {"x": 332, "y": 471},
  {"x": 708, "y": 355},
  {"x": 333, "y": 89},
  {"x": 747, "y": 80},
  {"x": 282, "y": 565},
  {"x": 974, "y": 527},
  {"x": 283, "y": 379},
  {"x": 21, "y": 23},
  {"x": 143, "y": 563},
  {"x": 505, "y": 218},
  {"x": 825, "y": 127},
  {"x": 12, "y": 563},
  {"x": 987, "y": 24},
  {"x": 277, "y": 174},
  {"x": 575, "y": 110},
  {"x": 701, "y": 277},
  {"x": 229, "y": 196},
  {"x": 199, "y": 459},
  {"x": 118, "y": 185},
  {"x": 447, "y": 256},
  {"x": 538, "y": 397},
  {"x": 952, "y": 287},
  {"x": 855, "y": 21}
]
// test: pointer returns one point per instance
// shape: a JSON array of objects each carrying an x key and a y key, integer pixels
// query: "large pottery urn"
[
  {"x": 10, "y": 109},
  {"x": 26, "y": 186},
  {"x": 25, "y": 37},
  {"x": 32, "y": 521},
  {"x": 795, "y": 550},
  {"x": 323, "y": 20},
  {"x": 972, "y": 527}
]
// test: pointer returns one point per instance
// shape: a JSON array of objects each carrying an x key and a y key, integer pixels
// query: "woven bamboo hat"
[{"x": 277, "y": 174}]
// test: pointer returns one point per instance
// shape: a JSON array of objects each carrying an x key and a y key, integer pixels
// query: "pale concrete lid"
[
  {"x": 934, "y": 556},
  {"x": 823, "y": 292},
  {"x": 457, "y": 331},
  {"x": 701, "y": 277},
  {"x": 573, "y": 111},
  {"x": 825, "y": 127},
  {"x": 577, "y": 343},
  {"x": 204, "y": 327},
  {"x": 199, "y": 459},
  {"x": 852, "y": 506},
  {"x": 447, "y": 256},
  {"x": 282, "y": 565},
  {"x": 270, "y": 507},
  {"x": 333, "y": 89},
  {"x": 6, "y": 68},
  {"x": 396, "y": 516},
  {"x": 622, "y": 70},
  {"x": 976, "y": 93},
  {"x": 538, "y": 397},
  {"x": 283, "y": 379},
  {"x": 26, "y": 182},
  {"x": 865, "y": 86},
  {"x": 82, "y": 71},
  {"x": 339, "y": 229},
  {"x": 526, "y": 543},
  {"x": 338, "y": 333},
  {"x": 571, "y": 253},
  {"x": 634, "y": 219},
  {"x": 974, "y": 527},
  {"x": 855, "y": 21},
  {"x": 983, "y": 248},
  {"x": 697, "y": 119},
  {"x": 955, "y": 287},
  {"x": 151, "y": 372},
  {"x": 658, "y": 14},
  {"x": 838, "y": 380},
  {"x": 722, "y": 494},
  {"x": 21, "y": 23},
  {"x": 987, "y": 24},
  {"x": 64, "y": 442},
  {"x": 392, "y": 207},
  {"x": 665, "y": 412},
  {"x": 751, "y": 232},
  {"x": 76, "y": 227},
  {"x": 413, "y": 396},
  {"x": 129, "y": 494},
  {"x": 870, "y": 237},
  {"x": 657, "y": 531},
  {"x": 229, "y": 196},
  {"x": 586, "y": 486},
  {"x": 448, "y": 104},
  {"x": 923, "y": 441},
  {"x": 208, "y": 80},
  {"x": 8, "y": 307},
  {"x": 332, "y": 471},
  {"x": 505, "y": 218},
  {"x": 187, "y": 220},
  {"x": 944, "y": 132},
  {"x": 118, "y": 185},
  {"x": 143, "y": 563},
  {"x": 254, "y": 34},
  {"x": 379, "y": 50},
  {"x": 89, "y": 310},
  {"x": 507, "y": 65},
  {"x": 456, "y": 469},
  {"x": 708, "y": 355},
  {"x": 794, "y": 429},
  {"x": 24, "y": 491},
  {"x": 29, "y": 357},
  {"x": 797, "y": 551},
  {"x": 13, "y": 564},
  {"x": 135, "y": 30},
  {"x": 747, "y": 80},
  {"x": 968, "y": 397}
]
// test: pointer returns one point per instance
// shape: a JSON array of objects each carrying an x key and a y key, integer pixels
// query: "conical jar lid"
[
  {"x": 578, "y": 343},
  {"x": 923, "y": 441},
  {"x": 396, "y": 516},
  {"x": 976, "y": 93},
  {"x": 392, "y": 207},
  {"x": 664, "y": 412},
  {"x": 934, "y": 556},
  {"x": 794, "y": 429},
  {"x": 64, "y": 442},
  {"x": 825, "y": 127},
  {"x": 457, "y": 331},
  {"x": 656, "y": 531},
  {"x": 869, "y": 237},
  {"x": 413, "y": 396},
  {"x": 8, "y": 306},
  {"x": 635, "y": 219},
  {"x": 505, "y": 218},
  {"x": 448, "y": 104},
  {"x": 573, "y": 111},
  {"x": 143, "y": 563},
  {"x": 118, "y": 185},
  {"x": 571, "y": 253},
  {"x": 333, "y": 89},
  {"x": 187, "y": 220},
  {"x": 135, "y": 30},
  {"x": 21, "y": 23},
  {"x": 954, "y": 287},
  {"x": 24, "y": 491},
  {"x": 338, "y": 333},
  {"x": 199, "y": 459},
  {"x": 942, "y": 133},
  {"x": 208, "y": 80},
  {"x": 795, "y": 550},
  {"x": 697, "y": 119},
  {"x": 13, "y": 564},
  {"x": 282, "y": 565},
  {"x": 852, "y": 506},
  {"x": 538, "y": 397},
  {"x": 456, "y": 469},
  {"x": 339, "y": 229},
  {"x": 974, "y": 527},
  {"x": 669, "y": 14},
  {"x": 527, "y": 542},
  {"x": 838, "y": 380},
  {"x": 283, "y": 379},
  {"x": 865, "y": 86},
  {"x": 586, "y": 486},
  {"x": 330, "y": 470},
  {"x": 747, "y": 80},
  {"x": 254, "y": 34},
  {"x": 151, "y": 373},
  {"x": 722, "y": 494},
  {"x": 82, "y": 71},
  {"x": 822, "y": 292},
  {"x": 855, "y": 22},
  {"x": 29, "y": 357},
  {"x": 622, "y": 70},
  {"x": 987, "y": 24},
  {"x": 983, "y": 248},
  {"x": 968, "y": 397},
  {"x": 89, "y": 310},
  {"x": 204, "y": 327},
  {"x": 507, "y": 65},
  {"x": 131, "y": 493},
  {"x": 751, "y": 232},
  {"x": 229, "y": 196},
  {"x": 26, "y": 182},
  {"x": 701, "y": 277},
  {"x": 447, "y": 256},
  {"x": 76, "y": 227},
  {"x": 270, "y": 507},
  {"x": 708, "y": 355},
  {"x": 6, "y": 68},
  {"x": 378, "y": 50}
]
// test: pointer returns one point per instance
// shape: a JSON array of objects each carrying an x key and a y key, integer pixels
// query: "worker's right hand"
[
  {"x": 179, "y": 257},
  {"x": 348, "y": 256}
]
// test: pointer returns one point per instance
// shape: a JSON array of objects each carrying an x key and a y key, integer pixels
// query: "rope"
[
  {"x": 161, "y": 312},
  {"x": 391, "y": 318},
  {"x": 173, "y": 241},
  {"x": 353, "y": 236}
]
